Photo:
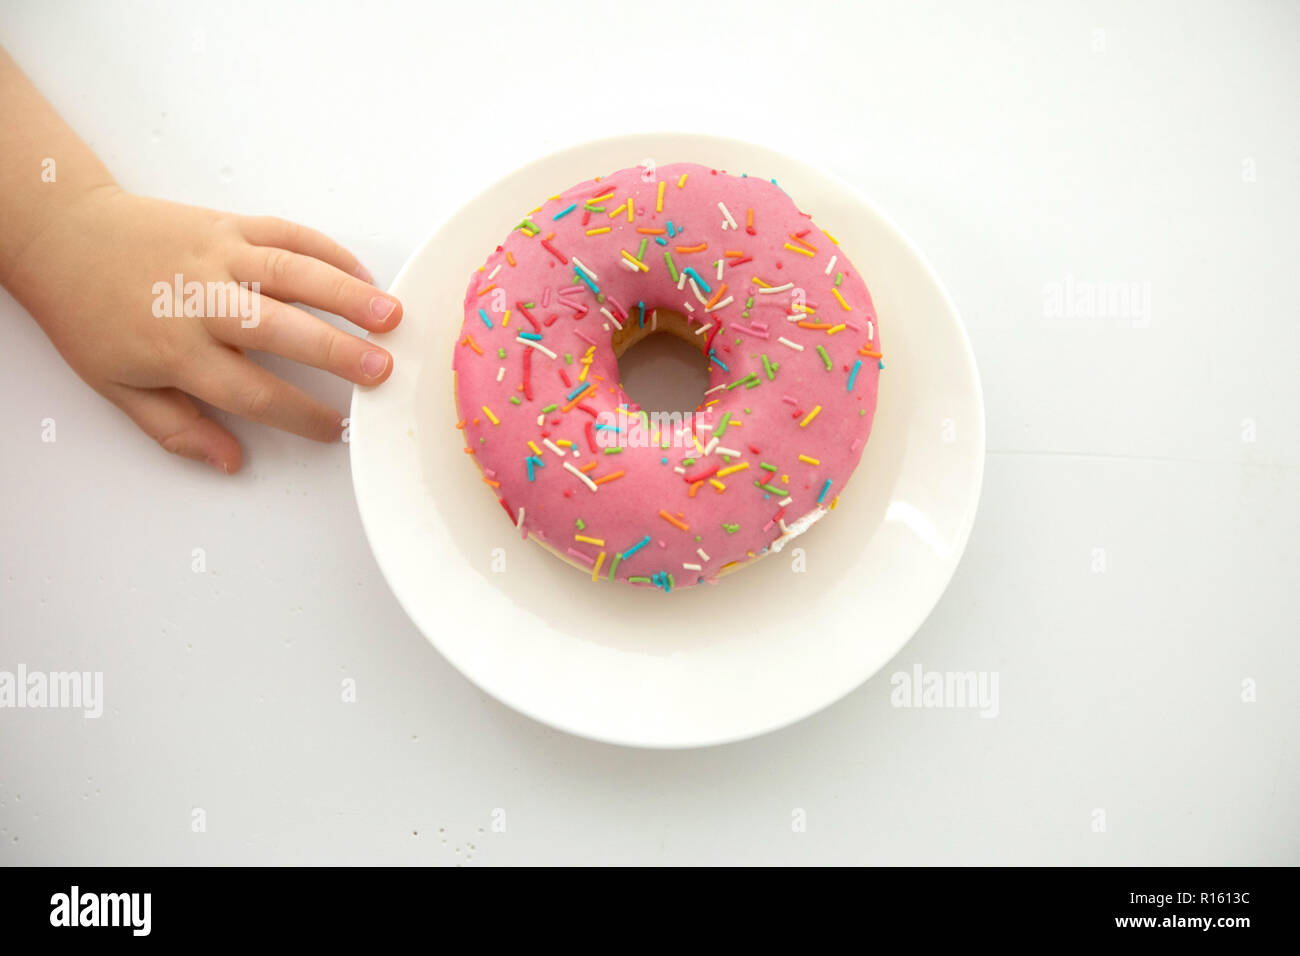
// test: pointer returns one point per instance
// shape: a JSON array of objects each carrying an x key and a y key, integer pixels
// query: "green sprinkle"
[
  {"x": 514, "y": 400},
  {"x": 549, "y": 408},
  {"x": 672, "y": 269},
  {"x": 613, "y": 565},
  {"x": 638, "y": 580},
  {"x": 766, "y": 467},
  {"x": 590, "y": 208},
  {"x": 612, "y": 451},
  {"x": 770, "y": 490},
  {"x": 530, "y": 225},
  {"x": 839, "y": 277},
  {"x": 582, "y": 525},
  {"x": 821, "y": 350},
  {"x": 730, "y": 528},
  {"x": 770, "y": 367},
  {"x": 527, "y": 305},
  {"x": 568, "y": 358},
  {"x": 640, "y": 253},
  {"x": 745, "y": 381},
  {"x": 501, "y": 352},
  {"x": 688, "y": 461},
  {"x": 722, "y": 425},
  {"x": 749, "y": 303}
]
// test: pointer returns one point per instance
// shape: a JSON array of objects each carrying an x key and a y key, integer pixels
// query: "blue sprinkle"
[
  {"x": 578, "y": 390},
  {"x": 641, "y": 305},
  {"x": 854, "y": 374},
  {"x": 825, "y": 488},
  {"x": 714, "y": 355},
  {"x": 595, "y": 290},
  {"x": 661, "y": 240},
  {"x": 486, "y": 321},
  {"x": 881, "y": 365},
  {"x": 530, "y": 335},
  {"x": 529, "y": 462},
  {"x": 636, "y": 547},
  {"x": 600, "y": 427},
  {"x": 564, "y": 212},
  {"x": 663, "y": 461},
  {"x": 690, "y": 271},
  {"x": 671, "y": 231}
]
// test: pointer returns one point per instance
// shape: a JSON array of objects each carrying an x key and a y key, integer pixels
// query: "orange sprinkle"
[
  {"x": 591, "y": 387},
  {"x": 487, "y": 480},
  {"x": 808, "y": 245},
  {"x": 733, "y": 254},
  {"x": 604, "y": 478},
  {"x": 700, "y": 248},
  {"x": 869, "y": 354},
  {"x": 587, "y": 467},
  {"x": 716, "y": 296},
  {"x": 814, "y": 325},
  {"x": 510, "y": 258},
  {"x": 469, "y": 340},
  {"x": 649, "y": 232},
  {"x": 695, "y": 486},
  {"x": 673, "y": 521},
  {"x": 487, "y": 288}
]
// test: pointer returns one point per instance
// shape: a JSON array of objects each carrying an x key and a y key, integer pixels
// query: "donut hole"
[{"x": 664, "y": 369}]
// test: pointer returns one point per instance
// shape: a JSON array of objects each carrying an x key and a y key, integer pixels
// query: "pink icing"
[{"x": 775, "y": 412}]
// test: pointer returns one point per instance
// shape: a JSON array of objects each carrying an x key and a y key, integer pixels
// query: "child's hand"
[{"x": 89, "y": 279}]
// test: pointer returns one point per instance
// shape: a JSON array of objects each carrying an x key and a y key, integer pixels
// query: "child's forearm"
[{"x": 45, "y": 168}]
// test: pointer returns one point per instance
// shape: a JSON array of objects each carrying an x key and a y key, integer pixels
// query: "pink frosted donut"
[{"x": 727, "y": 263}]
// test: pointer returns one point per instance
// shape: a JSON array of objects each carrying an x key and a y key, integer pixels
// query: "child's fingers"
[
  {"x": 224, "y": 378},
  {"x": 273, "y": 231},
  {"x": 301, "y": 337},
  {"x": 170, "y": 418},
  {"x": 291, "y": 277}
]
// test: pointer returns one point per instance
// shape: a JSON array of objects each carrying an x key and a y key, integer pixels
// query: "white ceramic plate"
[{"x": 768, "y": 645}]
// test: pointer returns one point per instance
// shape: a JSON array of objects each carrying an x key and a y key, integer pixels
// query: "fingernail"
[
  {"x": 381, "y": 308},
  {"x": 218, "y": 464},
  {"x": 374, "y": 362},
  {"x": 364, "y": 275}
]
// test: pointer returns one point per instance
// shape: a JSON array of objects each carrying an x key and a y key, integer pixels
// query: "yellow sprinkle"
[
  {"x": 630, "y": 209},
  {"x": 785, "y": 479},
  {"x": 597, "y": 232},
  {"x": 757, "y": 281},
  {"x": 837, "y": 242},
  {"x": 811, "y": 416},
  {"x": 836, "y": 293},
  {"x": 836, "y": 499},
  {"x": 539, "y": 208},
  {"x": 564, "y": 442},
  {"x": 810, "y": 461},
  {"x": 713, "y": 401},
  {"x": 733, "y": 469},
  {"x": 506, "y": 320},
  {"x": 802, "y": 252},
  {"x": 533, "y": 446},
  {"x": 617, "y": 211},
  {"x": 595, "y": 572},
  {"x": 682, "y": 182},
  {"x": 492, "y": 418},
  {"x": 717, "y": 484},
  {"x": 596, "y": 199},
  {"x": 836, "y": 328},
  {"x": 634, "y": 260},
  {"x": 659, "y": 203},
  {"x": 598, "y": 542}
]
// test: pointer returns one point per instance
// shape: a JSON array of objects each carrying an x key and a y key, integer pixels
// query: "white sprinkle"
[
  {"x": 700, "y": 552},
  {"x": 680, "y": 470},
  {"x": 689, "y": 307},
  {"x": 731, "y": 222},
  {"x": 696, "y": 290},
  {"x": 537, "y": 345},
  {"x": 541, "y": 420},
  {"x": 831, "y": 265},
  {"x": 719, "y": 264},
  {"x": 703, "y": 328},
  {"x": 871, "y": 331},
  {"x": 610, "y": 315},
  {"x": 493, "y": 274},
  {"x": 715, "y": 388},
  {"x": 631, "y": 265},
  {"x": 579, "y": 264},
  {"x": 585, "y": 480},
  {"x": 794, "y": 345},
  {"x": 776, "y": 288},
  {"x": 795, "y": 317},
  {"x": 691, "y": 567},
  {"x": 728, "y": 451},
  {"x": 520, "y": 522},
  {"x": 553, "y": 447},
  {"x": 781, "y": 522},
  {"x": 718, "y": 305},
  {"x": 501, "y": 373},
  {"x": 784, "y": 503},
  {"x": 708, "y": 449},
  {"x": 681, "y": 280}
]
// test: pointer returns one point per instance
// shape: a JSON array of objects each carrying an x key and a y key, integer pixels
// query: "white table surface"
[{"x": 1021, "y": 146}]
